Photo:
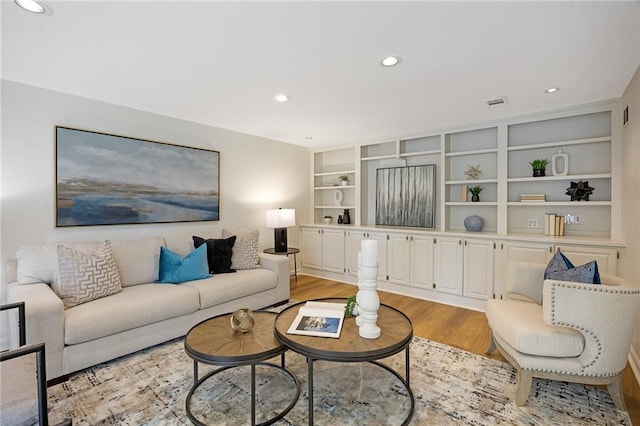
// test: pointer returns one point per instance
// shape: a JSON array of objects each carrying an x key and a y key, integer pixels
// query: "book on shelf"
[
  {"x": 321, "y": 319},
  {"x": 525, "y": 198},
  {"x": 464, "y": 189},
  {"x": 553, "y": 224}
]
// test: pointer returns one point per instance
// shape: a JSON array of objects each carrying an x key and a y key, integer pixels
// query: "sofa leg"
[
  {"x": 523, "y": 386},
  {"x": 616, "y": 392},
  {"x": 491, "y": 346}
]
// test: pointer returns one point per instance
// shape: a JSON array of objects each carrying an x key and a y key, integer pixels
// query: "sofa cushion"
[
  {"x": 83, "y": 278},
  {"x": 138, "y": 260},
  {"x": 225, "y": 287},
  {"x": 245, "y": 249},
  {"x": 133, "y": 307},
  {"x": 522, "y": 326},
  {"x": 38, "y": 263},
  {"x": 176, "y": 269},
  {"x": 219, "y": 252}
]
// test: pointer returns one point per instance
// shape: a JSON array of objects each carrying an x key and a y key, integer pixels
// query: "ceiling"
[{"x": 221, "y": 63}]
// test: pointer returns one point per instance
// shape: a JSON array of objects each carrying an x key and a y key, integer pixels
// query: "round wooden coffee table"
[
  {"x": 397, "y": 333},
  {"x": 213, "y": 342}
]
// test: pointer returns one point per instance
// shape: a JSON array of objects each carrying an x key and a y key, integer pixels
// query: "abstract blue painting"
[{"x": 104, "y": 179}]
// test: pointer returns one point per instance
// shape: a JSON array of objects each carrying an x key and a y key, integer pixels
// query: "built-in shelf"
[
  {"x": 565, "y": 177},
  {"x": 470, "y": 182},
  {"x": 334, "y": 187},
  {"x": 335, "y": 207},
  {"x": 414, "y": 154},
  {"x": 342, "y": 172},
  {"x": 471, "y": 203},
  {"x": 472, "y": 152},
  {"x": 560, "y": 143},
  {"x": 559, "y": 203},
  {"x": 379, "y": 157}
]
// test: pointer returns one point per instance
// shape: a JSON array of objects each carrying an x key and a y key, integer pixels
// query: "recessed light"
[
  {"x": 31, "y": 6},
  {"x": 390, "y": 61},
  {"x": 308, "y": 137},
  {"x": 552, "y": 90},
  {"x": 282, "y": 98}
]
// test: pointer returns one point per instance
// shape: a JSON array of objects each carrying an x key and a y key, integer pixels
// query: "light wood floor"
[{"x": 458, "y": 327}]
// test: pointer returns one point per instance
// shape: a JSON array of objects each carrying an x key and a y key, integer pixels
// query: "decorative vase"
[
  {"x": 340, "y": 220},
  {"x": 338, "y": 196},
  {"x": 344, "y": 182},
  {"x": 473, "y": 223},
  {"x": 242, "y": 320},
  {"x": 475, "y": 198},
  {"x": 538, "y": 172},
  {"x": 327, "y": 220},
  {"x": 346, "y": 218},
  {"x": 565, "y": 163}
]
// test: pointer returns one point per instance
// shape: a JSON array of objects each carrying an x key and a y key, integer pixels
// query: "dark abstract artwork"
[
  {"x": 105, "y": 179},
  {"x": 405, "y": 196},
  {"x": 580, "y": 191}
]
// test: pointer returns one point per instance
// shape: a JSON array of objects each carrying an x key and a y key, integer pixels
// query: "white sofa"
[{"x": 143, "y": 313}]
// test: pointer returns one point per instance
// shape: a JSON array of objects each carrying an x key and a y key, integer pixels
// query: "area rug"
[{"x": 451, "y": 386}]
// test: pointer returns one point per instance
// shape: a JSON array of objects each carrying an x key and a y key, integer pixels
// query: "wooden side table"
[{"x": 291, "y": 250}]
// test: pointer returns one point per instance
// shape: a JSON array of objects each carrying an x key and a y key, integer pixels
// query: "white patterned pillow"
[
  {"x": 83, "y": 278},
  {"x": 245, "y": 249}
]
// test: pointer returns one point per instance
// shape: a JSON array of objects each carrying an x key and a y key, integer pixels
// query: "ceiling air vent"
[{"x": 497, "y": 102}]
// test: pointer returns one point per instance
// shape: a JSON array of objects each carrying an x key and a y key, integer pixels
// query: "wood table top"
[
  {"x": 213, "y": 341},
  {"x": 396, "y": 334}
]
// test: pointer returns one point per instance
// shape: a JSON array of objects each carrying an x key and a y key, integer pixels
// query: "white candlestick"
[{"x": 369, "y": 252}]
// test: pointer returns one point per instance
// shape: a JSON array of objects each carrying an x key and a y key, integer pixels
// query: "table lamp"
[{"x": 279, "y": 219}]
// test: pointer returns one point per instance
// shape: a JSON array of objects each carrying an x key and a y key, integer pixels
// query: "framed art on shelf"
[{"x": 104, "y": 179}]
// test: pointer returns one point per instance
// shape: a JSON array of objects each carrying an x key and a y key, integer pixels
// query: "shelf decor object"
[
  {"x": 564, "y": 158},
  {"x": 580, "y": 191},
  {"x": 344, "y": 180},
  {"x": 242, "y": 320},
  {"x": 539, "y": 166},
  {"x": 475, "y": 193},
  {"x": 367, "y": 298},
  {"x": 338, "y": 196},
  {"x": 279, "y": 219},
  {"x": 327, "y": 219},
  {"x": 473, "y": 172},
  {"x": 473, "y": 223}
]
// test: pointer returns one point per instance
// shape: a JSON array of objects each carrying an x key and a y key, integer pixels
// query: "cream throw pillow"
[
  {"x": 83, "y": 278},
  {"x": 245, "y": 249}
]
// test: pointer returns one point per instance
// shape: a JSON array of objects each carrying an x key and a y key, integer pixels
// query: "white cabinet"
[
  {"x": 422, "y": 252},
  {"x": 478, "y": 268},
  {"x": 448, "y": 265},
  {"x": 399, "y": 259},
  {"x": 353, "y": 240},
  {"x": 323, "y": 249},
  {"x": 607, "y": 258},
  {"x": 465, "y": 267}
]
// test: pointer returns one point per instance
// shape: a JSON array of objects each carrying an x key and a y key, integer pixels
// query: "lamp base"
[{"x": 280, "y": 240}]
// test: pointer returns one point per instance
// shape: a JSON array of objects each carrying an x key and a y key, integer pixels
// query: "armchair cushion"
[
  {"x": 521, "y": 325},
  {"x": 561, "y": 268}
]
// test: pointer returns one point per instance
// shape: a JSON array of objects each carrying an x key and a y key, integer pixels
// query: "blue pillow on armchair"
[
  {"x": 175, "y": 269},
  {"x": 560, "y": 268}
]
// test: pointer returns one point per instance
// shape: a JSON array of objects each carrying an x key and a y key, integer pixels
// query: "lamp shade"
[{"x": 280, "y": 218}]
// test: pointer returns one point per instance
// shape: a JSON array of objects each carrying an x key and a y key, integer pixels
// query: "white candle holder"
[{"x": 367, "y": 298}]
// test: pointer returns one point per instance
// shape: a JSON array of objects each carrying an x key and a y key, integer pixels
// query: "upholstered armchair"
[
  {"x": 562, "y": 330},
  {"x": 23, "y": 378}
]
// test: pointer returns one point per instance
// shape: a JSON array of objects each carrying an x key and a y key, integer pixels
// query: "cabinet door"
[
  {"x": 352, "y": 247},
  {"x": 382, "y": 253},
  {"x": 333, "y": 250},
  {"x": 398, "y": 259},
  {"x": 607, "y": 258},
  {"x": 421, "y": 261},
  {"x": 449, "y": 265},
  {"x": 478, "y": 268},
  {"x": 311, "y": 248}
]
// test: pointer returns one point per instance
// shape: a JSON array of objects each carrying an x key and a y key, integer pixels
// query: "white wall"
[
  {"x": 631, "y": 190},
  {"x": 255, "y": 173}
]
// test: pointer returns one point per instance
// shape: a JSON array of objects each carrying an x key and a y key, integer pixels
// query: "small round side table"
[{"x": 290, "y": 250}]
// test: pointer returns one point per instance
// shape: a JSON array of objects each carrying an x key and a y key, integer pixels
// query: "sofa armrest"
[
  {"x": 44, "y": 321},
  {"x": 279, "y": 265},
  {"x": 606, "y": 315}
]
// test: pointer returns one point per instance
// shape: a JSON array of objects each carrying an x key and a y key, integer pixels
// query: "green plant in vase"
[
  {"x": 539, "y": 166},
  {"x": 475, "y": 193}
]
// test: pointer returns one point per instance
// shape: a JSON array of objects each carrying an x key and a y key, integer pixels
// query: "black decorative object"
[
  {"x": 346, "y": 217},
  {"x": 340, "y": 220},
  {"x": 580, "y": 191}
]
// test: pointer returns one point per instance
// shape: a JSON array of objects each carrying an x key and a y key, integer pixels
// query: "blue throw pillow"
[
  {"x": 560, "y": 268},
  {"x": 175, "y": 269}
]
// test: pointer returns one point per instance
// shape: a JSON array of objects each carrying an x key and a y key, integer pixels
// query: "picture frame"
[
  {"x": 105, "y": 179},
  {"x": 405, "y": 196}
]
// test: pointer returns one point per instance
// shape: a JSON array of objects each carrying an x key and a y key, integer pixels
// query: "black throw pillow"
[{"x": 218, "y": 253}]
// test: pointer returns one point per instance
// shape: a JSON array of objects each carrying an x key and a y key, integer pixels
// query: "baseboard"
[{"x": 634, "y": 362}]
